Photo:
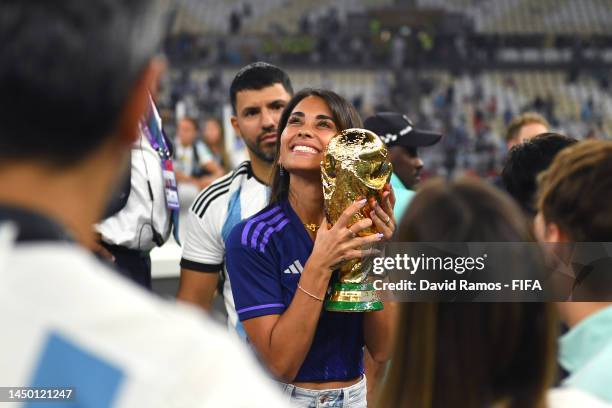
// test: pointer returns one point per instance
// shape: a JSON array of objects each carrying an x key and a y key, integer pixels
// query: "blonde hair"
[{"x": 521, "y": 120}]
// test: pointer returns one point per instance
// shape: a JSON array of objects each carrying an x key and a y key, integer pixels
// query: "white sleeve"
[
  {"x": 131, "y": 226},
  {"x": 203, "y": 249}
]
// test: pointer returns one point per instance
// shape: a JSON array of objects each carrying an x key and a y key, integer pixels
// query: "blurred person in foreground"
[
  {"x": 575, "y": 205},
  {"x": 402, "y": 139},
  {"x": 472, "y": 355},
  {"x": 524, "y": 127},
  {"x": 68, "y": 319},
  {"x": 525, "y": 161}
]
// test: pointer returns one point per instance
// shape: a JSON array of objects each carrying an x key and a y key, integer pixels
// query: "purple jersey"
[{"x": 265, "y": 258}]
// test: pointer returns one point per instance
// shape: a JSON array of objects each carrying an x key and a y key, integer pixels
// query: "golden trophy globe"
[{"x": 355, "y": 166}]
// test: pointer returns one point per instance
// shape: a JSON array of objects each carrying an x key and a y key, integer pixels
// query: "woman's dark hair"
[
  {"x": 345, "y": 116},
  {"x": 469, "y": 355}
]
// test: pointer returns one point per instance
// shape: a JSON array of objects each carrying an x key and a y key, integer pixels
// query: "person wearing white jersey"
[
  {"x": 145, "y": 219},
  {"x": 70, "y": 325},
  {"x": 258, "y": 93}
]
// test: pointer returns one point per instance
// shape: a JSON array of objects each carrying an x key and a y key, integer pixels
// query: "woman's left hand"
[{"x": 382, "y": 214}]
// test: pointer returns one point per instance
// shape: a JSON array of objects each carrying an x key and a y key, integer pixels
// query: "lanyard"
[
  {"x": 156, "y": 137},
  {"x": 155, "y": 134}
]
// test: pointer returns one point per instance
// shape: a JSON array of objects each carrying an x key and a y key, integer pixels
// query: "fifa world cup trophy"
[{"x": 356, "y": 165}]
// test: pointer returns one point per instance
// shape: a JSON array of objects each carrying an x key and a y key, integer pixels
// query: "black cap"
[{"x": 396, "y": 129}]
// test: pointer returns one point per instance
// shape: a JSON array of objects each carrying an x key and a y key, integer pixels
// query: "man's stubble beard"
[{"x": 260, "y": 153}]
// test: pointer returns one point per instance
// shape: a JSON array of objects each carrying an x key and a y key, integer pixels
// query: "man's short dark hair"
[
  {"x": 525, "y": 161},
  {"x": 67, "y": 68},
  {"x": 258, "y": 75}
]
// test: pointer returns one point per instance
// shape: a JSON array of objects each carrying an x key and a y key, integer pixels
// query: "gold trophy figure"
[{"x": 355, "y": 165}]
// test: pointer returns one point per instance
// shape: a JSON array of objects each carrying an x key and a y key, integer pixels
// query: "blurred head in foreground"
[
  {"x": 469, "y": 354},
  {"x": 575, "y": 205},
  {"x": 75, "y": 78}
]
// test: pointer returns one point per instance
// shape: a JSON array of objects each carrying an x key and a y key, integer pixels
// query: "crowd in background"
[
  {"x": 459, "y": 102},
  {"x": 473, "y": 122}
]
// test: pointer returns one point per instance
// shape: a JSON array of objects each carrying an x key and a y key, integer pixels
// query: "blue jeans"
[{"x": 349, "y": 397}]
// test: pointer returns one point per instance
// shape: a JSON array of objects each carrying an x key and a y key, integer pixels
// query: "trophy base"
[{"x": 353, "y": 297}]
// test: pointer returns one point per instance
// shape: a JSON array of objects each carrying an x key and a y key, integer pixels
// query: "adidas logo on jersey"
[{"x": 296, "y": 268}]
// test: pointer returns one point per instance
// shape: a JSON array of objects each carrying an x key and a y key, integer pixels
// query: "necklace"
[{"x": 311, "y": 227}]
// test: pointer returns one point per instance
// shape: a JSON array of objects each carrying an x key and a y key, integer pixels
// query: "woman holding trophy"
[{"x": 282, "y": 260}]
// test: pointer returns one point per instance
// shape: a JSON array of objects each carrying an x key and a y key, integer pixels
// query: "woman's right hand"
[{"x": 342, "y": 243}]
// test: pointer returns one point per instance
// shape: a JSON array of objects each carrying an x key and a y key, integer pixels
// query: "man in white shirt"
[
  {"x": 144, "y": 221},
  {"x": 69, "y": 322},
  {"x": 258, "y": 93}
]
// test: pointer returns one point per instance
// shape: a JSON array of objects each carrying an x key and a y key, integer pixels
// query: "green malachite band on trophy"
[
  {"x": 335, "y": 306},
  {"x": 343, "y": 299},
  {"x": 353, "y": 286}
]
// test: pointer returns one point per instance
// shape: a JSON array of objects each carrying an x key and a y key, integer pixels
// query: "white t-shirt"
[
  {"x": 184, "y": 157},
  {"x": 213, "y": 214},
  {"x": 67, "y": 320}
]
